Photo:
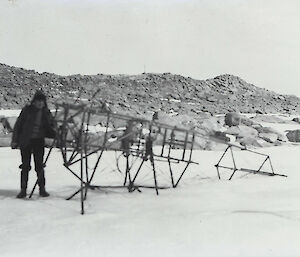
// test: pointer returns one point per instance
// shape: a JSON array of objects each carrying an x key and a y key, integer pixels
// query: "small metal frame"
[{"x": 229, "y": 150}]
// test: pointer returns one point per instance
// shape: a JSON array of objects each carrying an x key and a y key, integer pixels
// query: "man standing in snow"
[{"x": 34, "y": 123}]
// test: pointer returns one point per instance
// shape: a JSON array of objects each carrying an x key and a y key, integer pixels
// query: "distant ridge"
[{"x": 142, "y": 94}]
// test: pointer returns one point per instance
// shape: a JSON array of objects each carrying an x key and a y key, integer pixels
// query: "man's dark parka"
[{"x": 24, "y": 125}]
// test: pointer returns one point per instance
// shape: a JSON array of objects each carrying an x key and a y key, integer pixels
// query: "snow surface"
[
  {"x": 251, "y": 215},
  {"x": 9, "y": 113}
]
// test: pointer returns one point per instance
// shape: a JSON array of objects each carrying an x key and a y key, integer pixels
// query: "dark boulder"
[
  {"x": 294, "y": 135},
  {"x": 232, "y": 119}
]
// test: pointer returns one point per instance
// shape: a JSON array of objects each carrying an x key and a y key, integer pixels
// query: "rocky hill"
[{"x": 142, "y": 94}]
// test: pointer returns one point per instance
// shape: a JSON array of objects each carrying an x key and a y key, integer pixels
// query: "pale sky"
[{"x": 258, "y": 40}]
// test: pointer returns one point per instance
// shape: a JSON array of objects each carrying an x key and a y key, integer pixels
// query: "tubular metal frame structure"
[
  {"x": 253, "y": 171},
  {"x": 137, "y": 139}
]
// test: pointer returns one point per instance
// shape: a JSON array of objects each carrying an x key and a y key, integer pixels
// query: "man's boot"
[
  {"x": 24, "y": 179},
  {"x": 42, "y": 182},
  {"x": 22, "y": 193},
  {"x": 43, "y": 192}
]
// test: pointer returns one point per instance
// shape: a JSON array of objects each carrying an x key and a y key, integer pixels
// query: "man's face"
[{"x": 39, "y": 104}]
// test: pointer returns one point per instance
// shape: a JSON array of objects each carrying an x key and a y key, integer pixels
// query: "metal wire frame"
[
  {"x": 75, "y": 147},
  {"x": 258, "y": 171}
]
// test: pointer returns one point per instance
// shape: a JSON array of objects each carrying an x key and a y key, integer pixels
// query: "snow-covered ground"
[
  {"x": 9, "y": 113},
  {"x": 251, "y": 215}
]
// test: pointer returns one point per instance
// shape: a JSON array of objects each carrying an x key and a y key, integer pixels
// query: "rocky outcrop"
[
  {"x": 179, "y": 101},
  {"x": 146, "y": 93},
  {"x": 251, "y": 133}
]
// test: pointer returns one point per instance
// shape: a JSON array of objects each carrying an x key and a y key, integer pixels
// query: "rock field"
[
  {"x": 191, "y": 103},
  {"x": 139, "y": 94}
]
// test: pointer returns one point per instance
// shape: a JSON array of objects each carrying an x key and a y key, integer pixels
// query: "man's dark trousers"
[{"x": 35, "y": 147}]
